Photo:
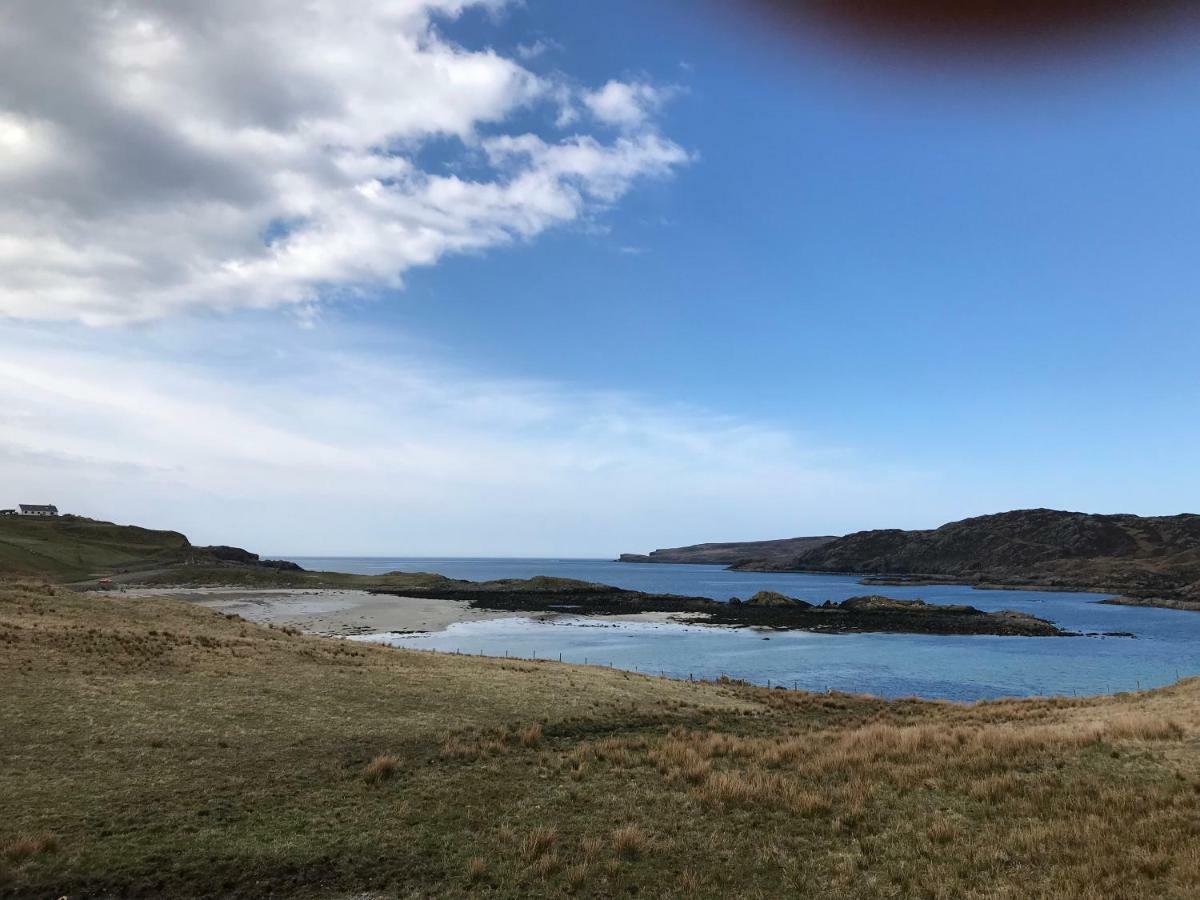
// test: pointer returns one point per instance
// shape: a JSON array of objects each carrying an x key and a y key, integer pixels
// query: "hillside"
[
  {"x": 71, "y": 547},
  {"x": 158, "y": 749},
  {"x": 74, "y": 548},
  {"x": 730, "y": 553},
  {"x": 1139, "y": 556}
]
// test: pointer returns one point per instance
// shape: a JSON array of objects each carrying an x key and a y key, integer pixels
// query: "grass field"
[{"x": 152, "y": 748}]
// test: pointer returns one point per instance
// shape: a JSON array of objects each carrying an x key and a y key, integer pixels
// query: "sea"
[{"x": 1164, "y": 648}]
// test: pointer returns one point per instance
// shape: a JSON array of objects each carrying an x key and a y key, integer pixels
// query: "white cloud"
[
  {"x": 626, "y": 104},
  {"x": 537, "y": 49},
  {"x": 160, "y": 157},
  {"x": 327, "y": 445}
]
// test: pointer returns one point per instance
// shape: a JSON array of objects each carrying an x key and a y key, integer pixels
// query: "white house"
[{"x": 36, "y": 510}]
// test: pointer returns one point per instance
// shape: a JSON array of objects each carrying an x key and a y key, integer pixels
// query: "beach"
[
  {"x": 344, "y": 613},
  {"x": 328, "y": 611}
]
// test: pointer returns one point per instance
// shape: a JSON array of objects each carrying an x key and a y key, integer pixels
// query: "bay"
[{"x": 1166, "y": 645}]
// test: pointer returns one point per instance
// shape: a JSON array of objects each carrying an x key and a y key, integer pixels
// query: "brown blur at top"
[{"x": 969, "y": 26}]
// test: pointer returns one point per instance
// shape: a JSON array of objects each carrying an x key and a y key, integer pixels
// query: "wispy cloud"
[
  {"x": 536, "y": 49},
  {"x": 332, "y": 445}
]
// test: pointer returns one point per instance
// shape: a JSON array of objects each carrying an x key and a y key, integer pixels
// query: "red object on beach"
[{"x": 106, "y": 581}]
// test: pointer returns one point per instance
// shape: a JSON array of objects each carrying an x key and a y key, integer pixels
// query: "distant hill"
[
  {"x": 728, "y": 554},
  {"x": 74, "y": 548},
  {"x": 1139, "y": 556}
]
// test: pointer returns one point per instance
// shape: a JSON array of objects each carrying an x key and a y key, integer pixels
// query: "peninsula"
[{"x": 729, "y": 553}]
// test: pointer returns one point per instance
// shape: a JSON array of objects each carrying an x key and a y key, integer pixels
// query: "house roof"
[{"x": 34, "y": 507}]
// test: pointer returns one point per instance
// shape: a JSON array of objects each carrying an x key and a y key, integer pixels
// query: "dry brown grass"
[
  {"x": 545, "y": 865},
  {"x": 476, "y": 869},
  {"x": 381, "y": 768},
  {"x": 591, "y": 848},
  {"x": 576, "y": 876},
  {"x": 530, "y": 736},
  {"x": 630, "y": 842},
  {"x": 628, "y": 785},
  {"x": 690, "y": 883},
  {"x": 22, "y": 848},
  {"x": 538, "y": 842}
]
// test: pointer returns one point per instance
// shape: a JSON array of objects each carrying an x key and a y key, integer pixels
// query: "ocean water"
[{"x": 1166, "y": 645}]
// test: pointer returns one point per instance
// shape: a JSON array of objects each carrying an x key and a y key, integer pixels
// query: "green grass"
[
  {"x": 70, "y": 548},
  {"x": 79, "y": 551},
  {"x": 153, "y": 748}
]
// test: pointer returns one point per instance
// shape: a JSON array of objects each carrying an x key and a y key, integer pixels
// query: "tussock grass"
[
  {"x": 630, "y": 842},
  {"x": 381, "y": 768},
  {"x": 624, "y": 785},
  {"x": 476, "y": 869},
  {"x": 546, "y": 865},
  {"x": 538, "y": 842},
  {"x": 690, "y": 883},
  {"x": 530, "y": 736},
  {"x": 576, "y": 876},
  {"x": 27, "y": 846},
  {"x": 591, "y": 848}
]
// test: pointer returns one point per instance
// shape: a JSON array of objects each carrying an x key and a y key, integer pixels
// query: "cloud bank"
[
  {"x": 160, "y": 157},
  {"x": 329, "y": 444}
]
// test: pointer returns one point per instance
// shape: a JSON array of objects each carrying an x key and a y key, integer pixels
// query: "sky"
[{"x": 477, "y": 277}]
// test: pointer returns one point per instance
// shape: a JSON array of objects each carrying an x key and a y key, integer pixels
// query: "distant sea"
[{"x": 1166, "y": 646}]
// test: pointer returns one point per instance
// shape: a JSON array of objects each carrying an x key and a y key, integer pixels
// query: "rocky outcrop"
[
  {"x": 774, "y": 598},
  {"x": 221, "y": 553},
  {"x": 237, "y": 556},
  {"x": 1142, "y": 557}
]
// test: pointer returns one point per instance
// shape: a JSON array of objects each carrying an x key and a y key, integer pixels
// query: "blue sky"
[{"x": 831, "y": 290}]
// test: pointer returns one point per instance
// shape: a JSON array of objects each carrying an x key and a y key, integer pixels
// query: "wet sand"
[{"x": 347, "y": 612}]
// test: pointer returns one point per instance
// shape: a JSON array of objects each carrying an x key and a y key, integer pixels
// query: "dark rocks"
[
  {"x": 765, "y": 610},
  {"x": 238, "y": 556},
  {"x": 230, "y": 554},
  {"x": 774, "y": 598}
]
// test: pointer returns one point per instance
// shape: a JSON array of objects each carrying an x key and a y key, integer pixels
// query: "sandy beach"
[
  {"x": 331, "y": 612},
  {"x": 347, "y": 612}
]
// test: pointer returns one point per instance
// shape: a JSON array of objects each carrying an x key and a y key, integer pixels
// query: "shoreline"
[
  {"x": 337, "y": 612},
  {"x": 329, "y": 612}
]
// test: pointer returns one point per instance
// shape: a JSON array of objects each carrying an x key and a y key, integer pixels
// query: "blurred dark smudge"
[{"x": 970, "y": 26}]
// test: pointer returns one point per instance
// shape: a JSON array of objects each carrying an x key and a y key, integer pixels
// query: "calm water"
[{"x": 1167, "y": 645}]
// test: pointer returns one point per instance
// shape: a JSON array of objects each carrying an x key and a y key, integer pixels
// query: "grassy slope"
[
  {"x": 69, "y": 548},
  {"x": 159, "y": 749}
]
